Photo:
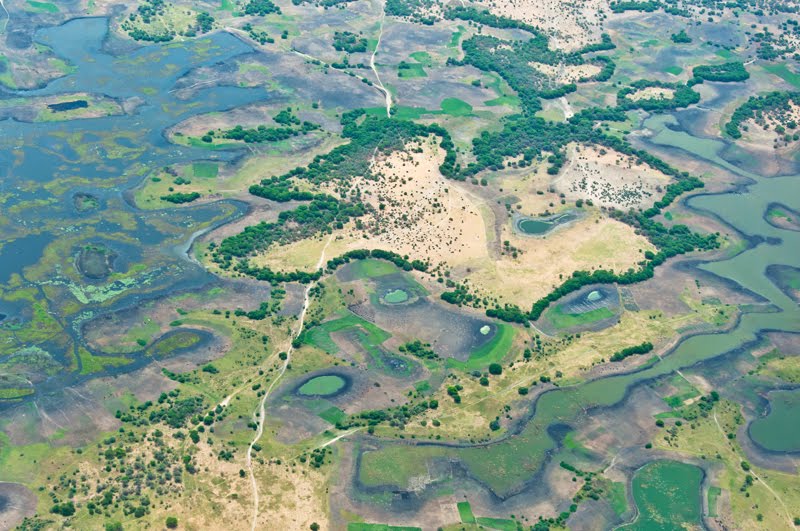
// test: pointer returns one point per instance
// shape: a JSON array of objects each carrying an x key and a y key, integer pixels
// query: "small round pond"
[
  {"x": 396, "y": 296},
  {"x": 322, "y": 385}
]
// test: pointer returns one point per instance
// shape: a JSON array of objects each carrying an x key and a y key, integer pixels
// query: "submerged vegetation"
[{"x": 140, "y": 391}]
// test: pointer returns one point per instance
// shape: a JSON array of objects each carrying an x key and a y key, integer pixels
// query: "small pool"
[
  {"x": 322, "y": 385},
  {"x": 396, "y": 296},
  {"x": 532, "y": 226}
]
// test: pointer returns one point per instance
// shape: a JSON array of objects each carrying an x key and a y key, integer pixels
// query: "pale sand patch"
[
  {"x": 652, "y": 93},
  {"x": 609, "y": 178},
  {"x": 572, "y": 24},
  {"x": 761, "y": 133},
  {"x": 428, "y": 217},
  {"x": 417, "y": 212},
  {"x": 566, "y": 73},
  {"x": 546, "y": 262},
  {"x": 294, "y": 497}
]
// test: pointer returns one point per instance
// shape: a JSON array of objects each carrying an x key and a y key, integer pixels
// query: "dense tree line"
[
  {"x": 647, "y": 6},
  {"x": 644, "y": 348},
  {"x": 757, "y": 104},
  {"x": 682, "y": 96},
  {"x": 486, "y": 18},
  {"x": 261, "y": 7},
  {"x": 321, "y": 214},
  {"x": 419, "y": 349},
  {"x": 347, "y": 41},
  {"x": 258, "y": 134},
  {"x": 180, "y": 197},
  {"x": 732, "y": 71},
  {"x": 681, "y": 37}
]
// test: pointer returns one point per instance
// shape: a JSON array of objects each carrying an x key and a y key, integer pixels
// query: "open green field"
[
  {"x": 371, "y": 268},
  {"x": 396, "y": 296},
  {"x": 501, "y": 524},
  {"x": 667, "y": 495},
  {"x": 369, "y": 335},
  {"x": 46, "y": 7},
  {"x": 685, "y": 391},
  {"x": 322, "y": 385},
  {"x": 713, "y": 495},
  {"x": 391, "y": 465},
  {"x": 205, "y": 170},
  {"x": 411, "y": 70},
  {"x": 559, "y": 319},
  {"x": 491, "y": 352},
  {"x": 465, "y": 512},
  {"x": 782, "y": 71}
]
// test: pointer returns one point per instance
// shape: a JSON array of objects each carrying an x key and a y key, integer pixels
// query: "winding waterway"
[{"x": 507, "y": 466}]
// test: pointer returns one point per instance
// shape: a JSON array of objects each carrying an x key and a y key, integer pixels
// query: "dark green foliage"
[
  {"x": 644, "y": 348},
  {"x": 683, "y": 96},
  {"x": 171, "y": 522},
  {"x": 495, "y": 368},
  {"x": 281, "y": 191},
  {"x": 732, "y": 71},
  {"x": 324, "y": 213},
  {"x": 396, "y": 417},
  {"x": 681, "y": 37},
  {"x": 260, "y": 134},
  {"x": 180, "y": 197},
  {"x": 346, "y": 41},
  {"x": 64, "y": 509},
  {"x": 758, "y": 104},
  {"x": 604, "y": 44},
  {"x": 286, "y": 117},
  {"x": 648, "y": 6},
  {"x": 205, "y": 22},
  {"x": 261, "y": 7},
  {"x": 173, "y": 412},
  {"x": 488, "y": 19},
  {"x": 413, "y": 9},
  {"x": 509, "y": 313},
  {"x": 419, "y": 349}
]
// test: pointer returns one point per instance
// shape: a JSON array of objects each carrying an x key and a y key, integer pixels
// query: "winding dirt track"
[
  {"x": 261, "y": 414},
  {"x": 755, "y": 476},
  {"x": 375, "y": 70}
]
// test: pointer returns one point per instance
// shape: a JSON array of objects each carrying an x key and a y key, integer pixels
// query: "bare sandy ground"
[
  {"x": 566, "y": 73},
  {"x": 761, "y": 133},
  {"x": 544, "y": 263},
  {"x": 295, "y": 497},
  {"x": 417, "y": 212},
  {"x": 652, "y": 93},
  {"x": 609, "y": 179},
  {"x": 421, "y": 214},
  {"x": 571, "y": 24}
]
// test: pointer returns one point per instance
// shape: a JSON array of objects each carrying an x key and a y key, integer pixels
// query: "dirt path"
[
  {"x": 338, "y": 437},
  {"x": 262, "y": 413},
  {"x": 566, "y": 108},
  {"x": 246, "y": 38},
  {"x": 375, "y": 70},
  {"x": 755, "y": 476}
]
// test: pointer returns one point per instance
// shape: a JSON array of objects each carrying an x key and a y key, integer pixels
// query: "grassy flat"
[{"x": 322, "y": 386}]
